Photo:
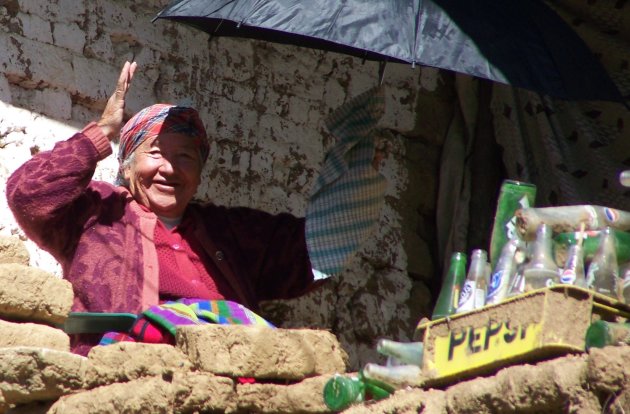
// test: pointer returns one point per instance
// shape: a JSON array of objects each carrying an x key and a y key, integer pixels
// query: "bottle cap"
[{"x": 341, "y": 391}]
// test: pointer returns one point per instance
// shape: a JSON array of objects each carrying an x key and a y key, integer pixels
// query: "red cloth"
[{"x": 186, "y": 271}]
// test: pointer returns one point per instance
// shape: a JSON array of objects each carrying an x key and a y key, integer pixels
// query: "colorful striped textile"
[
  {"x": 159, "y": 323},
  {"x": 348, "y": 196}
]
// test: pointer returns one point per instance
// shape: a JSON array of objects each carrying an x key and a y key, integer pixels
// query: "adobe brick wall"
[{"x": 290, "y": 367}]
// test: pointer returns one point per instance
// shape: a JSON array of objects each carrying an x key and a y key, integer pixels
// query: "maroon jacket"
[{"x": 104, "y": 240}]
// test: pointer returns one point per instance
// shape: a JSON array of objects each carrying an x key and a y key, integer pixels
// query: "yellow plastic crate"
[{"x": 536, "y": 325}]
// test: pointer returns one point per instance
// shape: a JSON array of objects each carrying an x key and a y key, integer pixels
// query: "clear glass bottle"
[
  {"x": 470, "y": 294},
  {"x": 541, "y": 271},
  {"x": 392, "y": 378},
  {"x": 477, "y": 271},
  {"x": 402, "y": 352},
  {"x": 573, "y": 271},
  {"x": 503, "y": 274},
  {"x": 603, "y": 271},
  {"x": 446, "y": 303}
]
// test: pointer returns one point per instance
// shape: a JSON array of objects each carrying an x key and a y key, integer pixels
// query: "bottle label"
[
  {"x": 496, "y": 281},
  {"x": 467, "y": 297},
  {"x": 568, "y": 276}
]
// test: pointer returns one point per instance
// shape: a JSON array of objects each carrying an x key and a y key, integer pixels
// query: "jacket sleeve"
[
  {"x": 44, "y": 192},
  {"x": 275, "y": 254}
]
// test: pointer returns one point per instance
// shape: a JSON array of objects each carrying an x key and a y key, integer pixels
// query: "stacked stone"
[
  {"x": 35, "y": 359},
  {"x": 213, "y": 368}
]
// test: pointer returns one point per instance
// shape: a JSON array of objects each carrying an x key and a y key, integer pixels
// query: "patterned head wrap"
[{"x": 160, "y": 119}]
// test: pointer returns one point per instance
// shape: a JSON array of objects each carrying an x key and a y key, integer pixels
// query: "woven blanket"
[{"x": 159, "y": 323}]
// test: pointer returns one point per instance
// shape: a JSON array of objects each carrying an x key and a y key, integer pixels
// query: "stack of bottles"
[
  {"x": 522, "y": 267},
  {"x": 374, "y": 381}
]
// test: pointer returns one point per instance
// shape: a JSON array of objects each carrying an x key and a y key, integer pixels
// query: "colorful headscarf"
[{"x": 162, "y": 118}]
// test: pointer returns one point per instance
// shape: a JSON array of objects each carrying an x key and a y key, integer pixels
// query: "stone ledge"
[
  {"x": 147, "y": 395},
  {"x": 261, "y": 352},
  {"x": 31, "y": 334},
  {"x": 303, "y": 397},
  {"x": 31, "y": 294},
  {"x": 126, "y": 361},
  {"x": 30, "y": 374},
  {"x": 608, "y": 369},
  {"x": 12, "y": 250},
  {"x": 203, "y": 392},
  {"x": 187, "y": 393}
]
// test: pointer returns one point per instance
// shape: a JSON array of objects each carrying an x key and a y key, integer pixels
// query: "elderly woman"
[{"x": 125, "y": 248}]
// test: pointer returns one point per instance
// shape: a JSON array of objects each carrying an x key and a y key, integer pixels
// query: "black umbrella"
[{"x": 522, "y": 43}]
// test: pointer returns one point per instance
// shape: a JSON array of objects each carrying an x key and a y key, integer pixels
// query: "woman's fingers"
[{"x": 113, "y": 114}]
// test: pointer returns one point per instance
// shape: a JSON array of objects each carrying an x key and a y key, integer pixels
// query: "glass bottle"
[
  {"x": 603, "y": 271},
  {"x": 342, "y": 391},
  {"x": 503, "y": 274},
  {"x": 573, "y": 272},
  {"x": 403, "y": 352},
  {"x": 601, "y": 333},
  {"x": 446, "y": 303},
  {"x": 394, "y": 377},
  {"x": 625, "y": 285},
  {"x": 541, "y": 271},
  {"x": 468, "y": 298}
]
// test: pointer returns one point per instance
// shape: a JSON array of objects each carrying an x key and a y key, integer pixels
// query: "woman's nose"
[{"x": 166, "y": 167}]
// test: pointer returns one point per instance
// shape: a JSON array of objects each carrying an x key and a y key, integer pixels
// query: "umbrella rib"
[
  {"x": 254, "y": 10},
  {"x": 415, "y": 37},
  {"x": 334, "y": 19},
  {"x": 223, "y": 6}
]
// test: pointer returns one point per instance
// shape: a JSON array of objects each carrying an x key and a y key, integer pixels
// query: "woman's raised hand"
[{"x": 112, "y": 118}]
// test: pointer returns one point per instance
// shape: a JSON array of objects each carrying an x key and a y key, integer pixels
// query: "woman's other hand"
[{"x": 112, "y": 118}]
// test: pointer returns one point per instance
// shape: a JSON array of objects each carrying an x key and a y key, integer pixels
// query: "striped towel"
[
  {"x": 348, "y": 196},
  {"x": 159, "y": 323}
]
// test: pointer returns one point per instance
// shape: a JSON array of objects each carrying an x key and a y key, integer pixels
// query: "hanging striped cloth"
[{"x": 347, "y": 198}]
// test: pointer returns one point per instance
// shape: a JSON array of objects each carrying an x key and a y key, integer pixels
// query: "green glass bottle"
[
  {"x": 342, "y": 391},
  {"x": 601, "y": 333},
  {"x": 446, "y": 303}
]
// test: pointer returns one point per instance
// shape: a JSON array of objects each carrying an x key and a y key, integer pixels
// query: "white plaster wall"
[{"x": 264, "y": 106}]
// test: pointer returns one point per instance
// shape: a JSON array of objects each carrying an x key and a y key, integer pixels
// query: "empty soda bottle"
[
  {"x": 469, "y": 296},
  {"x": 392, "y": 378},
  {"x": 402, "y": 352},
  {"x": 503, "y": 273},
  {"x": 603, "y": 271},
  {"x": 573, "y": 272},
  {"x": 601, "y": 333},
  {"x": 342, "y": 391},
  {"x": 625, "y": 285},
  {"x": 446, "y": 303},
  {"x": 541, "y": 271},
  {"x": 517, "y": 284}
]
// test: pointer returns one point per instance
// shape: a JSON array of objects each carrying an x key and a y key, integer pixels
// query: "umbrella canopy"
[{"x": 522, "y": 43}]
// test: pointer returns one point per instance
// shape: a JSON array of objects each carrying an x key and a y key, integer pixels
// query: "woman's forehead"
[{"x": 171, "y": 140}]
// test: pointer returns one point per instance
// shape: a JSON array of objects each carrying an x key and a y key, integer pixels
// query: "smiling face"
[{"x": 165, "y": 173}]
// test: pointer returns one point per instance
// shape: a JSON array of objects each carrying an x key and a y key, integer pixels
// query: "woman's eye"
[{"x": 187, "y": 155}]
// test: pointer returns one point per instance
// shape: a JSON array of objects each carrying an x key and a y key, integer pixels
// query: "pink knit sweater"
[{"x": 104, "y": 240}]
